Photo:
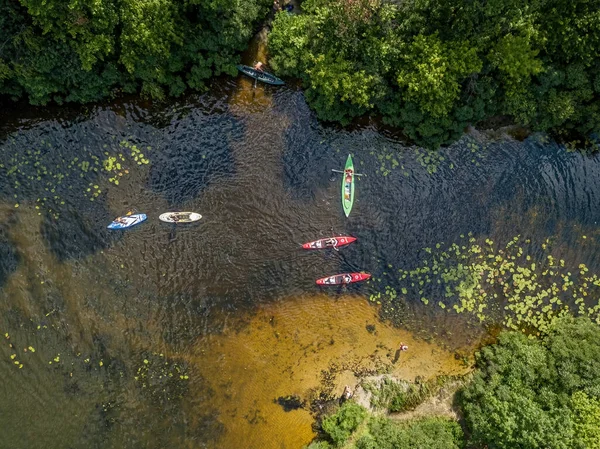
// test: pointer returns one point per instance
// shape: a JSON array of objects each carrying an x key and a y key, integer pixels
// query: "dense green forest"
[
  {"x": 86, "y": 50},
  {"x": 432, "y": 67},
  {"x": 526, "y": 393}
]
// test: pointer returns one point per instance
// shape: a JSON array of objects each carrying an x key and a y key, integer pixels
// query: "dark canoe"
[{"x": 260, "y": 76}]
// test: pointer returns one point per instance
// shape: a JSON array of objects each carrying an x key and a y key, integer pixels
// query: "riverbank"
[
  {"x": 293, "y": 358},
  {"x": 503, "y": 403},
  {"x": 432, "y": 69}
]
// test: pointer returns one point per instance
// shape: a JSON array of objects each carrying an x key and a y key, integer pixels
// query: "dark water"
[{"x": 121, "y": 323}]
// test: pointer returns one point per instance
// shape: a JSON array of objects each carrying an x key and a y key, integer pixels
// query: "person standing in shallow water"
[{"x": 402, "y": 348}]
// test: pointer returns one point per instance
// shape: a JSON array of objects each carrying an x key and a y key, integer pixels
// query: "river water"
[{"x": 194, "y": 336}]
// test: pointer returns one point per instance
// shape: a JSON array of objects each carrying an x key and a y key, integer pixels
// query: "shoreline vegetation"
[
  {"x": 86, "y": 51},
  {"x": 433, "y": 67},
  {"x": 429, "y": 68},
  {"x": 527, "y": 392}
]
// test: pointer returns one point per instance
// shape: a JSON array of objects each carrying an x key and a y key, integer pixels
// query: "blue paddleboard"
[{"x": 127, "y": 221}]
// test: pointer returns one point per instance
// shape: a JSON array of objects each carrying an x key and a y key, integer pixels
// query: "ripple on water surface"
[
  {"x": 228, "y": 306},
  {"x": 195, "y": 151}
]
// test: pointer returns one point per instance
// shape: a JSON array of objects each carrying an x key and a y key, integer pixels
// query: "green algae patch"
[{"x": 519, "y": 284}]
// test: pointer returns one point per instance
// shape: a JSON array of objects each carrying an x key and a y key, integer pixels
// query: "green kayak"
[{"x": 348, "y": 186}]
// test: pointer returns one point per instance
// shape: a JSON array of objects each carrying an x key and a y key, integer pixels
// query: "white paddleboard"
[{"x": 180, "y": 217}]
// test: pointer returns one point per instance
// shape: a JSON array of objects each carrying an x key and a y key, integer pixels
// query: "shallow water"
[{"x": 186, "y": 336}]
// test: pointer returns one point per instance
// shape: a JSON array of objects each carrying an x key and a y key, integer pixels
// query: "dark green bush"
[
  {"x": 86, "y": 50},
  {"x": 427, "y": 433},
  {"x": 340, "y": 426},
  {"x": 527, "y": 393}
]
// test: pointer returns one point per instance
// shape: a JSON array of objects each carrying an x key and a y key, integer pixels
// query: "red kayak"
[
  {"x": 344, "y": 278},
  {"x": 331, "y": 242}
]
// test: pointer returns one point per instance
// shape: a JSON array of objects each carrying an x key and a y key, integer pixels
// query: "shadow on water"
[
  {"x": 9, "y": 258},
  {"x": 195, "y": 152},
  {"x": 75, "y": 235},
  {"x": 307, "y": 159}
]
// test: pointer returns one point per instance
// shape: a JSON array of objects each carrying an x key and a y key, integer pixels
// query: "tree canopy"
[
  {"x": 529, "y": 393},
  {"x": 384, "y": 433},
  {"x": 526, "y": 393},
  {"x": 85, "y": 50},
  {"x": 432, "y": 66}
]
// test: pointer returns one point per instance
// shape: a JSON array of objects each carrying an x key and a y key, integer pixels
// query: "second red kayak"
[
  {"x": 331, "y": 242},
  {"x": 344, "y": 278}
]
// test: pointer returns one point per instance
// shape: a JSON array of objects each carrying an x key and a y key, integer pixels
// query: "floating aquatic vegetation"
[
  {"x": 46, "y": 172},
  {"x": 161, "y": 377},
  {"x": 389, "y": 160},
  {"x": 20, "y": 352},
  {"x": 430, "y": 160},
  {"x": 433, "y": 160},
  {"x": 118, "y": 165},
  {"x": 136, "y": 153},
  {"x": 13, "y": 356},
  {"x": 541, "y": 138},
  {"x": 499, "y": 283},
  {"x": 588, "y": 146}
]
